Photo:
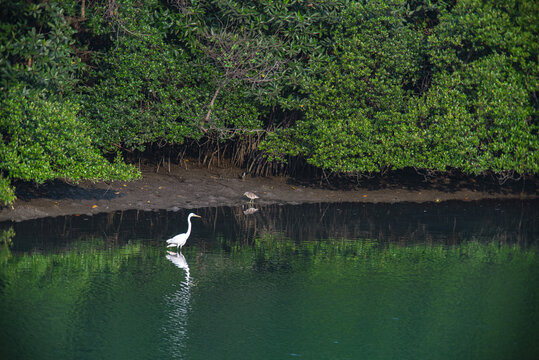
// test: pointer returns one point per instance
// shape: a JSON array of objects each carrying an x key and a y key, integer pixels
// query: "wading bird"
[
  {"x": 251, "y": 196},
  {"x": 180, "y": 239}
]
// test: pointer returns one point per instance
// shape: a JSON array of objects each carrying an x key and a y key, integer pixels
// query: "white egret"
[
  {"x": 180, "y": 239},
  {"x": 252, "y": 196}
]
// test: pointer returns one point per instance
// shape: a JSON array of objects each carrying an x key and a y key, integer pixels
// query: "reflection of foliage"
[
  {"x": 485, "y": 290},
  {"x": 276, "y": 252},
  {"x": 94, "y": 290},
  {"x": 67, "y": 291},
  {"x": 82, "y": 258},
  {"x": 271, "y": 252},
  {"x": 5, "y": 243},
  {"x": 6, "y": 236}
]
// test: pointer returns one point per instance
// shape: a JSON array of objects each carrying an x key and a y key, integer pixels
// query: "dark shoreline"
[{"x": 200, "y": 187}]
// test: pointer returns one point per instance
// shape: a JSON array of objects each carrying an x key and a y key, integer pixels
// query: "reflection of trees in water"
[
  {"x": 447, "y": 222},
  {"x": 5, "y": 243},
  {"x": 99, "y": 295}
]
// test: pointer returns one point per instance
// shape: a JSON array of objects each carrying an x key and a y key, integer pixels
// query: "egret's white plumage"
[
  {"x": 180, "y": 239},
  {"x": 179, "y": 261}
]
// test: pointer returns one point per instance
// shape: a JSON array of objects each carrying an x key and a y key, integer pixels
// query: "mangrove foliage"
[{"x": 345, "y": 87}]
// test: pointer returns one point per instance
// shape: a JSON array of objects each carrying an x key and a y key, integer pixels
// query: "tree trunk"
[{"x": 208, "y": 114}]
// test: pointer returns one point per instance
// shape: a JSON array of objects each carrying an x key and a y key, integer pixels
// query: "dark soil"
[{"x": 199, "y": 187}]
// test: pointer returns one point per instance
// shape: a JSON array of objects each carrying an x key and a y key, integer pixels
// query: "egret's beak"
[{"x": 197, "y": 216}]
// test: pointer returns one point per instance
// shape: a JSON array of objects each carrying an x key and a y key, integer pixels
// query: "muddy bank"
[{"x": 200, "y": 187}]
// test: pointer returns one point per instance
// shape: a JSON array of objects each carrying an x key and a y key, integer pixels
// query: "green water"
[{"x": 342, "y": 281}]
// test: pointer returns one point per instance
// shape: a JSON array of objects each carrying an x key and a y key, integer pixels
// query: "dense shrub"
[
  {"x": 42, "y": 140},
  {"x": 354, "y": 104},
  {"x": 480, "y": 112},
  {"x": 475, "y": 111},
  {"x": 36, "y": 47},
  {"x": 43, "y": 136}
]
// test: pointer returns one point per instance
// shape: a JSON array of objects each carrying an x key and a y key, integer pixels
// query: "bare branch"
[
  {"x": 181, "y": 5},
  {"x": 112, "y": 14},
  {"x": 243, "y": 56}
]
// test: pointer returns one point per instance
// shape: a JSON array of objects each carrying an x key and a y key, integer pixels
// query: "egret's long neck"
[{"x": 188, "y": 226}]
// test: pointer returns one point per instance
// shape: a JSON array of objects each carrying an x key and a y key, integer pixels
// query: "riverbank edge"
[{"x": 201, "y": 187}]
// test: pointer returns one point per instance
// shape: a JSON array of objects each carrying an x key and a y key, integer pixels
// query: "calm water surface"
[{"x": 327, "y": 281}]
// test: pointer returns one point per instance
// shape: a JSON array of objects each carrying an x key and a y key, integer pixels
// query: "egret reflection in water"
[
  {"x": 178, "y": 305},
  {"x": 179, "y": 260}
]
